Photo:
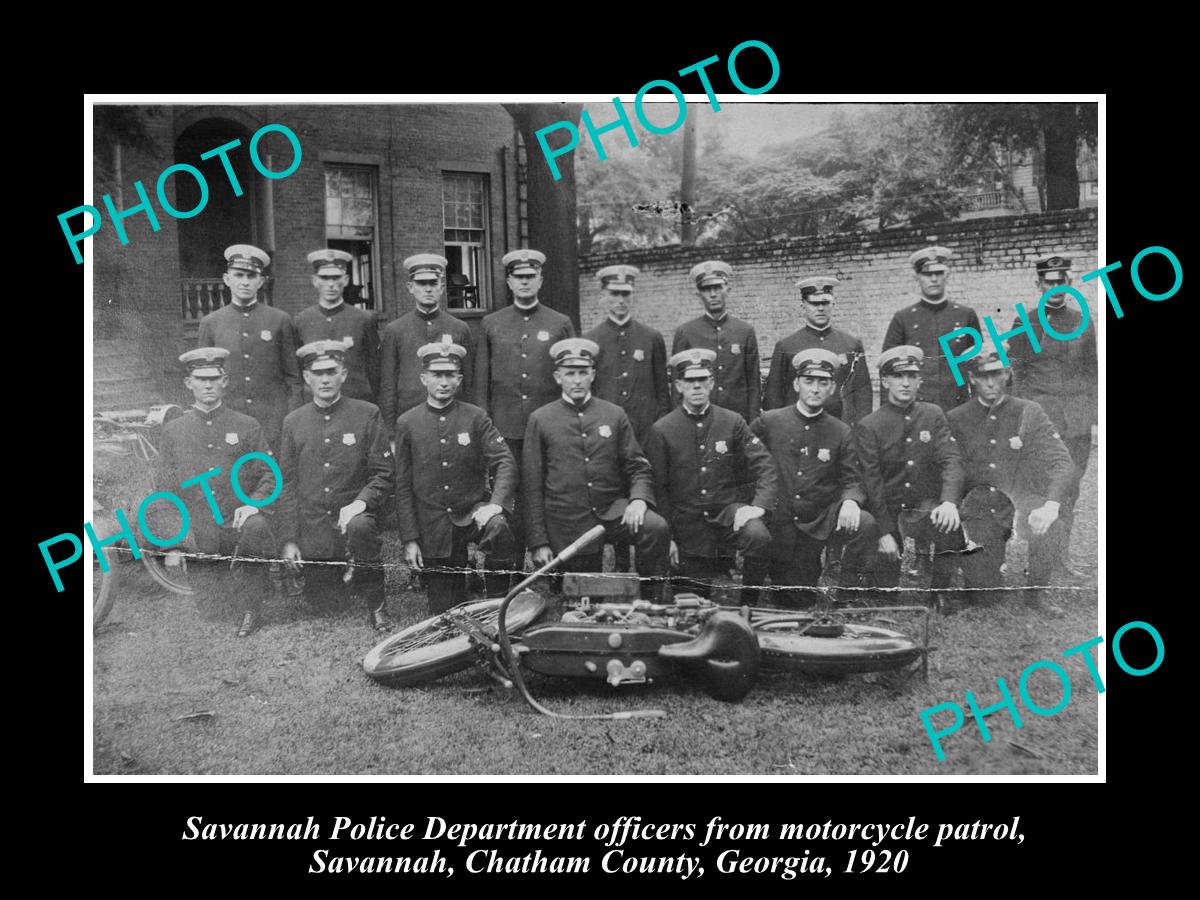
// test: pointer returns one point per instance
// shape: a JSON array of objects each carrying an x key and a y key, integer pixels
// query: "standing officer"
[
  {"x": 922, "y": 324},
  {"x": 1012, "y": 456},
  {"x": 714, "y": 480},
  {"x": 334, "y": 319},
  {"x": 428, "y": 323},
  {"x": 211, "y": 436},
  {"x": 821, "y": 490},
  {"x": 738, "y": 380},
  {"x": 582, "y": 466},
  {"x": 264, "y": 379},
  {"x": 447, "y": 453},
  {"x": 1062, "y": 380},
  {"x": 851, "y": 398},
  {"x": 912, "y": 471},
  {"x": 337, "y": 474},
  {"x": 632, "y": 369}
]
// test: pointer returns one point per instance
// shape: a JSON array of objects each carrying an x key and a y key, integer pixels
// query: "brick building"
[
  {"x": 992, "y": 271},
  {"x": 380, "y": 181}
]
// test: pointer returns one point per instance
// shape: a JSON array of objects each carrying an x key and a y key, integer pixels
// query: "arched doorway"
[{"x": 227, "y": 218}]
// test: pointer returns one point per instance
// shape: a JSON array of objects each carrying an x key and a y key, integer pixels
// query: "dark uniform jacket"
[
  {"x": 1062, "y": 377},
  {"x": 738, "y": 381},
  {"x": 706, "y": 467},
  {"x": 1012, "y": 447},
  {"x": 199, "y": 441},
  {"x": 851, "y": 398},
  {"x": 264, "y": 373},
  {"x": 443, "y": 461},
  {"x": 357, "y": 328},
  {"x": 514, "y": 374},
  {"x": 632, "y": 372},
  {"x": 818, "y": 469},
  {"x": 400, "y": 387},
  {"x": 909, "y": 460},
  {"x": 922, "y": 325},
  {"x": 330, "y": 457},
  {"x": 580, "y": 466}
]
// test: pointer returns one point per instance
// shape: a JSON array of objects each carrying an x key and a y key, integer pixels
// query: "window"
[
  {"x": 350, "y": 218},
  {"x": 465, "y": 216}
]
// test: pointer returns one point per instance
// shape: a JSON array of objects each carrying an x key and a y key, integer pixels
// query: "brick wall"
[{"x": 992, "y": 271}]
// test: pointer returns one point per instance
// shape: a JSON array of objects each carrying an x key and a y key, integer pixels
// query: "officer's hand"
[
  {"x": 484, "y": 514},
  {"x": 945, "y": 517},
  {"x": 673, "y": 554},
  {"x": 291, "y": 556},
  {"x": 635, "y": 513},
  {"x": 349, "y": 511},
  {"x": 745, "y": 514},
  {"x": 889, "y": 549},
  {"x": 412, "y": 554},
  {"x": 542, "y": 555},
  {"x": 849, "y": 517},
  {"x": 1043, "y": 517},
  {"x": 242, "y": 513}
]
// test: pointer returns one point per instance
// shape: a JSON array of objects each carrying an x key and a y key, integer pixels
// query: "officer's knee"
[
  {"x": 755, "y": 538},
  {"x": 868, "y": 527}
]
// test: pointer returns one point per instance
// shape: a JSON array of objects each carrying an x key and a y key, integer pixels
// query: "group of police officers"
[{"x": 530, "y": 436}]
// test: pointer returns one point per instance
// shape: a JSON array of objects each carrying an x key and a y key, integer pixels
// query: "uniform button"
[
  {"x": 797, "y": 496},
  {"x": 524, "y": 374},
  {"x": 720, "y": 368},
  {"x": 700, "y": 425},
  {"x": 584, "y": 434},
  {"x": 448, "y": 509},
  {"x": 327, "y": 465},
  {"x": 992, "y": 488},
  {"x": 327, "y": 319},
  {"x": 589, "y": 484},
  {"x": 992, "y": 441},
  {"x": 210, "y": 446},
  {"x": 993, "y": 418},
  {"x": 327, "y": 418},
  {"x": 444, "y": 463},
  {"x": 799, "y": 473},
  {"x": 908, "y": 418},
  {"x": 624, "y": 374},
  {"x": 327, "y": 490},
  {"x": 704, "y": 468},
  {"x": 208, "y": 423},
  {"x": 991, "y": 465},
  {"x": 585, "y": 459},
  {"x": 624, "y": 393},
  {"x": 245, "y": 334},
  {"x": 806, "y": 427},
  {"x": 720, "y": 389},
  {"x": 523, "y": 397},
  {"x": 524, "y": 336},
  {"x": 703, "y": 491},
  {"x": 248, "y": 400},
  {"x": 910, "y": 462},
  {"x": 440, "y": 418},
  {"x": 443, "y": 440},
  {"x": 327, "y": 440},
  {"x": 445, "y": 487},
  {"x": 622, "y": 352},
  {"x": 525, "y": 319},
  {"x": 245, "y": 355},
  {"x": 329, "y": 512},
  {"x": 908, "y": 440},
  {"x": 524, "y": 356},
  {"x": 247, "y": 377}
]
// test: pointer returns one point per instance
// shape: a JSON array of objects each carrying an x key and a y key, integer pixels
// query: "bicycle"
[{"x": 633, "y": 641}]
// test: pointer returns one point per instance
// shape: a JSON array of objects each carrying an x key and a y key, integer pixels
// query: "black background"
[{"x": 1076, "y": 835}]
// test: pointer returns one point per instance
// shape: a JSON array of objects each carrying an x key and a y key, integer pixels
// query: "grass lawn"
[{"x": 292, "y": 699}]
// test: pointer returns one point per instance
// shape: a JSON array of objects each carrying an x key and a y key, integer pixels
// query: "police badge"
[
  {"x": 543, "y": 335},
  {"x": 605, "y": 431},
  {"x": 464, "y": 438},
  {"x": 926, "y": 437},
  {"x": 349, "y": 439},
  {"x": 721, "y": 447},
  {"x": 1015, "y": 442},
  {"x": 639, "y": 355},
  {"x": 231, "y": 437},
  {"x": 735, "y": 349},
  {"x": 348, "y": 341},
  {"x": 265, "y": 334},
  {"x": 823, "y": 454}
]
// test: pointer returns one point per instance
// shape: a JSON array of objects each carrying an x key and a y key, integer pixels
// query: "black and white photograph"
[{"x": 684, "y": 437}]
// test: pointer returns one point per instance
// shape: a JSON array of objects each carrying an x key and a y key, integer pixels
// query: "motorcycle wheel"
[
  {"x": 104, "y": 588},
  {"x": 166, "y": 575},
  {"x": 435, "y": 647}
]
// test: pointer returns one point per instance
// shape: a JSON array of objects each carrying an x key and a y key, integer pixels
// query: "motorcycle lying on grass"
[{"x": 632, "y": 641}]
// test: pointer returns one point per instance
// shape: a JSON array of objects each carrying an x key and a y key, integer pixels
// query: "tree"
[
  {"x": 978, "y": 131},
  {"x": 552, "y": 204}
]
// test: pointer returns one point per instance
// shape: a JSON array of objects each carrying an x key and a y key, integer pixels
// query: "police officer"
[
  {"x": 923, "y": 323},
  {"x": 428, "y": 322},
  {"x": 714, "y": 480},
  {"x": 264, "y": 379},
  {"x": 210, "y": 436},
  {"x": 1012, "y": 456},
  {"x": 334, "y": 319},
  {"x": 632, "y": 369},
  {"x": 337, "y": 474},
  {"x": 911, "y": 469},
  {"x": 582, "y": 466},
  {"x": 851, "y": 398},
  {"x": 1062, "y": 378},
  {"x": 738, "y": 380},
  {"x": 447, "y": 453},
  {"x": 821, "y": 490}
]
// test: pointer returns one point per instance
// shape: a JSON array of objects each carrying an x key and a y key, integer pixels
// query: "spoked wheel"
[
  {"x": 173, "y": 578},
  {"x": 104, "y": 587},
  {"x": 437, "y": 647}
]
